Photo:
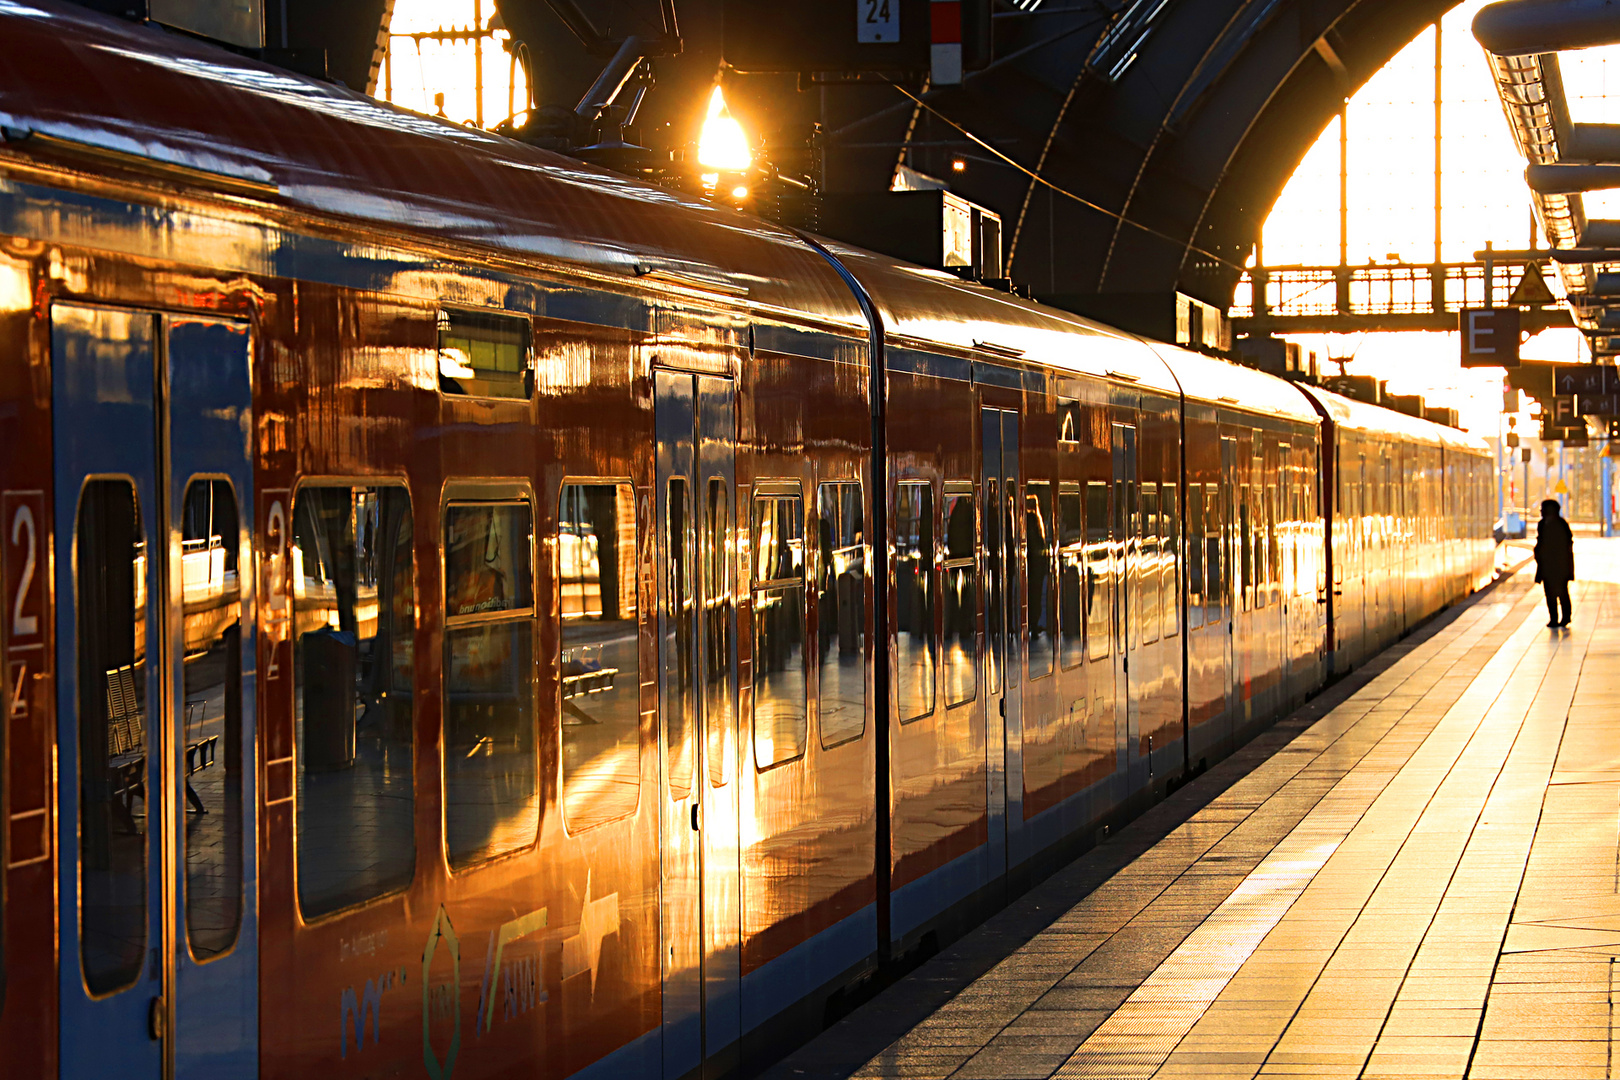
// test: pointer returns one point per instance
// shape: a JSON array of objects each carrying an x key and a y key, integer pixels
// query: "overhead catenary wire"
[{"x": 1081, "y": 199}]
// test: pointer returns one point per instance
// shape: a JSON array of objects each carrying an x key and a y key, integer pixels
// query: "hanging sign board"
[
  {"x": 1586, "y": 379},
  {"x": 1490, "y": 337}
]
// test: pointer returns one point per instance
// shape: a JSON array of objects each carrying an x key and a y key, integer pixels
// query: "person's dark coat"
[{"x": 1555, "y": 550}]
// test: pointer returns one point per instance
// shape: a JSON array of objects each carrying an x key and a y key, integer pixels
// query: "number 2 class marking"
[{"x": 25, "y": 626}]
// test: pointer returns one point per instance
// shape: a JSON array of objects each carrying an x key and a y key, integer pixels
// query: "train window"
[
  {"x": 1071, "y": 576},
  {"x": 914, "y": 596},
  {"x": 485, "y": 354},
  {"x": 779, "y": 690},
  {"x": 1099, "y": 594},
  {"x": 600, "y": 675},
  {"x": 961, "y": 646},
  {"x": 719, "y": 549},
  {"x": 1148, "y": 572},
  {"x": 1195, "y": 556},
  {"x": 210, "y": 541},
  {"x": 1217, "y": 557},
  {"x": 491, "y": 789},
  {"x": 1245, "y": 567},
  {"x": 1038, "y": 580},
  {"x": 354, "y": 609},
  {"x": 994, "y": 599},
  {"x": 1069, "y": 422},
  {"x": 1170, "y": 560},
  {"x": 678, "y": 708},
  {"x": 1273, "y": 537},
  {"x": 110, "y": 571},
  {"x": 841, "y": 611}
]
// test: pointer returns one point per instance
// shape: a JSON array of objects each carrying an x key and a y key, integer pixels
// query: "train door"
[
  {"x": 1003, "y": 635},
  {"x": 159, "y": 957},
  {"x": 701, "y": 904},
  {"x": 1126, "y": 521}
]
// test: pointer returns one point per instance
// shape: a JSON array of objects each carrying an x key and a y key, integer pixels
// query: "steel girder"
[{"x": 1182, "y": 155}]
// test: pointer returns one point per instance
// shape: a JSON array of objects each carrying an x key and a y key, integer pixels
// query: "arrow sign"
[{"x": 1585, "y": 379}]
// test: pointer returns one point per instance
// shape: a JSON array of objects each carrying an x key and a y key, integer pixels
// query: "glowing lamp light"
[
  {"x": 739, "y": 192},
  {"x": 722, "y": 145},
  {"x": 958, "y": 165}
]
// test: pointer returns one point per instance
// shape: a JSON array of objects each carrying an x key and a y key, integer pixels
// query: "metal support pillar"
[
  {"x": 1342, "y": 290},
  {"x": 1606, "y": 510},
  {"x": 1437, "y": 276}
]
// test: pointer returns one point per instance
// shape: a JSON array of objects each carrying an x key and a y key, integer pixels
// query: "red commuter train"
[{"x": 466, "y": 612}]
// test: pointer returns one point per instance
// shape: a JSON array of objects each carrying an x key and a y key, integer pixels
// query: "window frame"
[
  {"x": 776, "y": 488},
  {"x": 821, "y": 486},
  {"x": 931, "y": 571},
  {"x": 571, "y": 480},
  {"x": 402, "y": 482},
  {"x": 970, "y": 562},
  {"x": 1053, "y": 619},
  {"x": 457, "y": 491},
  {"x": 442, "y": 317}
]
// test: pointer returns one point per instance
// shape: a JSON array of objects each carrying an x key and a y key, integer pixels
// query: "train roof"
[
  {"x": 269, "y": 136},
  {"x": 1233, "y": 386},
  {"x": 931, "y": 306},
  {"x": 1360, "y": 416}
]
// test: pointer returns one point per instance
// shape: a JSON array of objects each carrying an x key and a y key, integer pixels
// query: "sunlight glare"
[{"x": 722, "y": 145}]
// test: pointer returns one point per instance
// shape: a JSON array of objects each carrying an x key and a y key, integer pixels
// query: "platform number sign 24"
[{"x": 877, "y": 22}]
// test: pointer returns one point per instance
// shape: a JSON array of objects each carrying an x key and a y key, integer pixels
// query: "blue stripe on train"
[
  {"x": 792, "y": 976},
  {"x": 641, "y": 1056},
  {"x": 915, "y": 902}
]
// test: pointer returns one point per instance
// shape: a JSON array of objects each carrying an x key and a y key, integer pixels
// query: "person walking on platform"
[{"x": 1555, "y": 560}]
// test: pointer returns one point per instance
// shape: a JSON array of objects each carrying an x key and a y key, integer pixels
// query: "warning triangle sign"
[{"x": 1531, "y": 291}]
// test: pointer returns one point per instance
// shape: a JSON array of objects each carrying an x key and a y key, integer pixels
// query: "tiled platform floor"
[{"x": 1423, "y": 881}]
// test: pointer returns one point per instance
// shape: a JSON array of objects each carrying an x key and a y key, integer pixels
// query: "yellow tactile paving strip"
[{"x": 1424, "y": 883}]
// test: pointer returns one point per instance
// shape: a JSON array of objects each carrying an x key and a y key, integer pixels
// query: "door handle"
[
  {"x": 694, "y": 817},
  {"x": 155, "y": 1019}
]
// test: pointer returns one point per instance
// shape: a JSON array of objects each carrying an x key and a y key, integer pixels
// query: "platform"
[{"x": 1416, "y": 876}]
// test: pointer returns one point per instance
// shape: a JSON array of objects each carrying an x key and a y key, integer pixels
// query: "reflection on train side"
[
  {"x": 601, "y": 673},
  {"x": 355, "y": 616},
  {"x": 214, "y": 754}
]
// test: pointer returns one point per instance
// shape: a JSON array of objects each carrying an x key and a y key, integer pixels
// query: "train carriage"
[{"x": 464, "y": 610}]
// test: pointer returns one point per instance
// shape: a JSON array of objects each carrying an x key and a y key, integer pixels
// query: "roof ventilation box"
[
  {"x": 1439, "y": 414},
  {"x": 1172, "y": 317},
  {"x": 1360, "y": 387},
  {"x": 234, "y": 22},
  {"x": 1410, "y": 404},
  {"x": 935, "y": 228},
  {"x": 1285, "y": 359}
]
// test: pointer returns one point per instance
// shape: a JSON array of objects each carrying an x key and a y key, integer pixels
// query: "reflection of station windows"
[
  {"x": 485, "y": 354},
  {"x": 914, "y": 556},
  {"x": 778, "y": 601},
  {"x": 1069, "y": 422},
  {"x": 841, "y": 610},
  {"x": 600, "y": 674},
  {"x": 354, "y": 607},
  {"x": 1071, "y": 537},
  {"x": 961, "y": 646},
  {"x": 491, "y": 795}
]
